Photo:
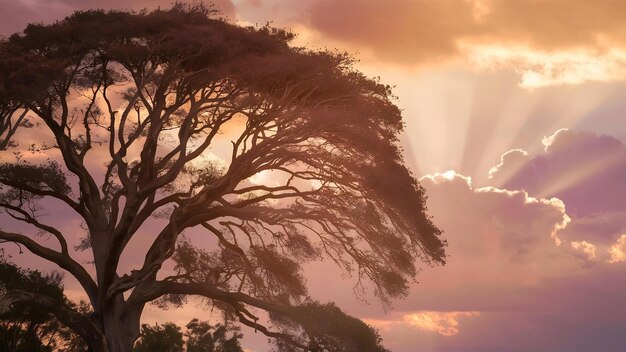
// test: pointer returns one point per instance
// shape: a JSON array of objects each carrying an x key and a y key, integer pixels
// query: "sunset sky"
[{"x": 515, "y": 123}]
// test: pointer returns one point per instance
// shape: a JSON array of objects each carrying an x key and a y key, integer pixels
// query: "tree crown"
[{"x": 171, "y": 117}]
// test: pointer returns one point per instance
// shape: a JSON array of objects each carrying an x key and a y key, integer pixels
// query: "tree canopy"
[
  {"x": 28, "y": 327},
  {"x": 210, "y": 131},
  {"x": 165, "y": 337},
  {"x": 201, "y": 337}
]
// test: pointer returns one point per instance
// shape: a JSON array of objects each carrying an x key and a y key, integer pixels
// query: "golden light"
[
  {"x": 443, "y": 323},
  {"x": 618, "y": 250},
  {"x": 586, "y": 248}
]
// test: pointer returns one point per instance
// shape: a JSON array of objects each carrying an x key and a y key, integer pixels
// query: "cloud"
[
  {"x": 548, "y": 25},
  {"x": 586, "y": 249},
  {"x": 586, "y": 171},
  {"x": 601, "y": 228},
  {"x": 546, "y": 42},
  {"x": 507, "y": 284},
  {"x": 444, "y": 323},
  {"x": 510, "y": 216},
  {"x": 512, "y": 160},
  {"x": 401, "y": 31},
  {"x": 618, "y": 250},
  {"x": 583, "y": 169},
  {"x": 501, "y": 242},
  {"x": 527, "y": 292},
  {"x": 538, "y": 68}
]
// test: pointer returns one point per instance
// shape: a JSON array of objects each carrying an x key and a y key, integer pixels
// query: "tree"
[
  {"x": 155, "y": 96},
  {"x": 201, "y": 337},
  {"x": 165, "y": 337},
  {"x": 25, "y": 329}
]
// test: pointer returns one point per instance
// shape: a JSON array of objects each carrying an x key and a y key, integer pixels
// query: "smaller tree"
[
  {"x": 165, "y": 337},
  {"x": 26, "y": 327},
  {"x": 203, "y": 337}
]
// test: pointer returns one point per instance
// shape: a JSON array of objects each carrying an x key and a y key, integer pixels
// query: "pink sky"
[{"x": 515, "y": 127}]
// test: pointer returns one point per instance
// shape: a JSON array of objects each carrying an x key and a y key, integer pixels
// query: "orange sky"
[{"x": 514, "y": 117}]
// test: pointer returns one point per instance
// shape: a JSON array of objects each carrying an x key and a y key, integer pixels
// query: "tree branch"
[{"x": 60, "y": 259}]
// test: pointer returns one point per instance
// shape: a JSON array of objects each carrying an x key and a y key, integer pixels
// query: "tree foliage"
[
  {"x": 200, "y": 337},
  {"x": 204, "y": 337},
  {"x": 165, "y": 118},
  {"x": 26, "y": 327},
  {"x": 165, "y": 337}
]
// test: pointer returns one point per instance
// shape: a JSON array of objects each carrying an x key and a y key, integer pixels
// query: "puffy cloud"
[
  {"x": 500, "y": 241},
  {"x": 618, "y": 250},
  {"x": 511, "y": 217},
  {"x": 586, "y": 249},
  {"x": 513, "y": 160},
  {"x": 583, "y": 169},
  {"x": 507, "y": 284},
  {"x": 603, "y": 228},
  {"x": 504, "y": 263},
  {"x": 586, "y": 171}
]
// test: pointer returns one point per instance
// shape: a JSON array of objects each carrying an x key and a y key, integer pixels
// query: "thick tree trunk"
[
  {"x": 121, "y": 325},
  {"x": 119, "y": 339}
]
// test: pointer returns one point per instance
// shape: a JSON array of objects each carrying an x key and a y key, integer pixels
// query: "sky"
[{"x": 514, "y": 115}]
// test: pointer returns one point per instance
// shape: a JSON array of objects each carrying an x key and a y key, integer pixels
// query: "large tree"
[{"x": 174, "y": 118}]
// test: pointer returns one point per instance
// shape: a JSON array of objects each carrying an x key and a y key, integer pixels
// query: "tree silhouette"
[
  {"x": 201, "y": 337},
  {"x": 131, "y": 110},
  {"x": 24, "y": 328},
  {"x": 165, "y": 337}
]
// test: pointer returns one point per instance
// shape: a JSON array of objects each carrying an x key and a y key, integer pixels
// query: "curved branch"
[
  {"x": 157, "y": 289},
  {"x": 236, "y": 300},
  {"x": 28, "y": 218},
  {"x": 9, "y": 127},
  {"x": 60, "y": 259},
  {"x": 44, "y": 193}
]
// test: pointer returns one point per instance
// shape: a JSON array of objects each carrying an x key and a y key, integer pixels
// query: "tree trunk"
[{"x": 121, "y": 325}]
